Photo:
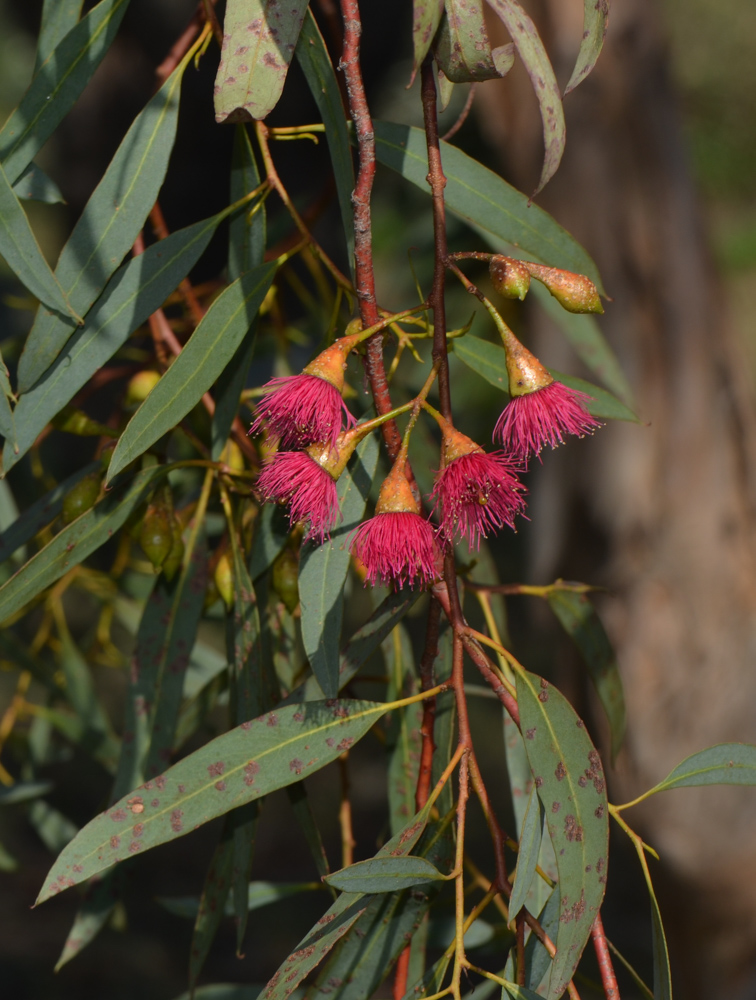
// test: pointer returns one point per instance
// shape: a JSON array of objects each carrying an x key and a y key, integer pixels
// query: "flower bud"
[
  {"x": 510, "y": 277},
  {"x": 285, "y": 578},
  {"x": 81, "y": 497},
  {"x": 140, "y": 386},
  {"x": 224, "y": 580},
  {"x": 574, "y": 292},
  {"x": 175, "y": 557},
  {"x": 156, "y": 535}
]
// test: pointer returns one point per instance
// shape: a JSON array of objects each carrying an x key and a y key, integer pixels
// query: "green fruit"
[
  {"x": 509, "y": 277},
  {"x": 224, "y": 580},
  {"x": 140, "y": 386},
  {"x": 81, "y": 497},
  {"x": 175, "y": 557},
  {"x": 156, "y": 536},
  {"x": 285, "y": 578}
]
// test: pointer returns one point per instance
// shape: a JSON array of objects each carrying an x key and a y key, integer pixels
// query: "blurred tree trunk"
[{"x": 673, "y": 502}]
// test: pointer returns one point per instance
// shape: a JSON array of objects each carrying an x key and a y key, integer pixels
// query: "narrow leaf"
[
  {"x": 570, "y": 782},
  {"x": 724, "y": 764},
  {"x": 384, "y": 875},
  {"x": 246, "y": 236},
  {"x": 312, "y": 56},
  {"x": 480, "y": 196},
  {"x": 108, "y": 225},
  {"x": 75, "y": 542},
  {"x": 240, "y": 766},
  {"x": 527, "y": 856},
  {"x": 578, "y": 618},
  {"x": 490, "y": 362},
  {"x": 206, "y": 354},
  {"x": 259, "y": 37},
  {"x": 19, "y": 247},
  {"x": 323, "y": 570},
  {"x": 662, "y": 971},
  {"x": 595, "y": 23},
  {"x": 212, "y": 904},
  {"x": 403, "y": 739},
  {"x": 463, "y": 51},
  {"x": 271, "y": 533},
  {"x": 426, "y": 17},
  {"x": 35, "y": 185},
  {"x": 57, "y": 84},
  {"x": 58, "y": 18},
  {"x": 530, "y": 49},
  {"x": 259, "y": 894},
  {"x": 100, "y": 899},
  {"x": 136, "y": 290},
  {"x": 24, "y": 791},
  {"x": 519, "y": 992}
]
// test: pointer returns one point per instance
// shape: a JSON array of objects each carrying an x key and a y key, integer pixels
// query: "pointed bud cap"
[
  {"x": 510, "y": 277},
  {"x": 526, "y": 373},
  {"x": 574, "y": 292}
]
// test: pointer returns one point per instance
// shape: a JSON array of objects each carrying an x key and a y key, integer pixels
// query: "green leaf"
[
  {"x": 595, "y": 22},
  {"x": 81, "y": 694},
  {"x": 426, "y": 17},
  {"x": 527, "y": 856},
  {"x": 490, "y": 362},
  {"x": 24, "y": 791},
  {"x": 212, "y": 903},
  {"x": 584, "y": 333},
  {"x": 259, "y": 894},
  {"x": 53, "y": 828},
  {"x": 578, "y": 618},
  {"x": 95, "y": 910},
  {"x": 58, "y": 18},
  {"x": 109, "y": 224},
  {"x": 300, "y": 804},
  {"x": 519, "y": 992},
  {"x": 209, "y": 349},
  {"x": 723, "y": 764},
  {"x": 99, "y": 746},
  {"x": 39, "y": 514},
  {"x": 7, "y": 862},
  {"x": 323, "y": 570},
  {"x": 246, "y": 237},
  {"x": 312, "y": 56},
  {"x": 259, "y": 37},
  {"x": 530, "y": 49},
  {"x": 57, "y": 85},
  {"x": 222, "y": 991},
  {"x": 662, "y": 971},
  {"x": 240, "y": 766},
  {"x": 271, "y": 533},
  {"x": 570, "y": 782},
  {"x": 384, "y": 875},
  {"x": 19, "y": 247},
  {"x": 481, "y": 197},
  {"x": 35, "y": 185},
  {"x": 75, "y": 542},
  {"x": 135, "y": 291},
  {"x": 403, "y": 739},
  {"x": 463, "y": 51},
  {"x": 537, "y": 959}
]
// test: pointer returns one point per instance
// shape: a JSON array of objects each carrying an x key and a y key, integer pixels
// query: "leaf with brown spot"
[
  {"x": 579, "y": 836},
  {"x": 463, "y": 51},
  {"x": 595, "y": 23},
  {"x": 259, "y": 37}
]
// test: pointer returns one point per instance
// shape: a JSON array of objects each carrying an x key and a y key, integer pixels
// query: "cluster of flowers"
[{"x": 475, "y": 492}]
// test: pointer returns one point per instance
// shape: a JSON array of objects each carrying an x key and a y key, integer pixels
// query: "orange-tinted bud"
[
  {"x": 510, "y": 277},
  {"x": 574, "y": 292}
]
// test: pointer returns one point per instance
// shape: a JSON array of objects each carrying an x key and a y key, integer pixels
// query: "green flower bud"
[
  {"x": 284, "y": 578},
  {"x": 81, "y": 497}
]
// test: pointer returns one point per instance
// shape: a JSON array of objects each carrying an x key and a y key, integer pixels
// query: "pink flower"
[
  {"x": 293, "y": 477},
  {"x": 397, "y": 547},
  {"x": 541, "y": 417},
  {"x": 300, "y": 410},
  {"x": 478, "y": 493}
]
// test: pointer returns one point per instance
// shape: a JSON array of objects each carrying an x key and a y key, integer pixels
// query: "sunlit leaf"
[
  {"x": 530, "y": 49},
  {"x": 58, "y": 18},
  {"x": 205, "y": 355},
  {"x": 240, "y": 766},
  {"x": 323, "y": 570},
  {"x": 570, "y": 783},
  {"x": 595, "y": 22},
  {"x": 259, "y": 37},
  {"x": 102, "y": 236},
  {"x": 484, "y": 199},
  {"x": 578, "y": 617},
  {"x": 724, "y": 764}
]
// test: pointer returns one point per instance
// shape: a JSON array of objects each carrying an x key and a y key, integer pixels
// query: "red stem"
[{"x": 608, "y": 977}]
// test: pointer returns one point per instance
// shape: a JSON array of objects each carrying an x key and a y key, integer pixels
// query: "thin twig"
[
  {"x": 606, "y": 968},
  {"x": 462, "y": 115}
]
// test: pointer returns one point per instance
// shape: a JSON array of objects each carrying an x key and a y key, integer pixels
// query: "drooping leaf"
[
  {"x": 58, "y": 18},
  {"x": 489, "y": 361},
  {"x": 246, "y": 236},
  {"x": 259, "y": 894},
  {"x": 19, "y": 248},
  {"x": 338, "y": 920},
  {"x": 403, "y": 738},
  {"x": 662, "y": 971},
  {"x": 108, "y": 225},
  {"x": 484, "y": 199},
  {"x": 463, "y": 51},
  {"x": 305, "y": 817},
  {"x": 206, "y": 354},
  {"x": 578, "y": 617},
  {"x": 240, "y": 766},
  {"x": 75, "y": 542},
  {"x": 312, "y": 56},
  {"x": 7, "y": 862},
  {"x": 323, "y": 570},
  {"x": 100, "y": 898},
  {"x": 35, "y": 185},
  {"x": 137, "y": 289},
  {"x": 24, "y": 791},
  {"x": 212, "y": 903},
  {"x": 723, "y": 764},
  {"x": 53, "y": 828},
  {"x": 527, "y": 856},
  {"x": 537, "y": 958},
  {"x": 431, "y": 982},
  {"x": 271, "y": 532},
  {"x": 595, "y": 23},
  {"x": 426, "y": 17},
  {"x": 82, "y": 696},
  {"x": 519, "y": 992},
  {"x": 39, "y": 514},
  {"x": 530, "y": 49},
  {"x": 57, "y": 84},
  {"x": 259, "y": 37},
  {"x": 570, "y": 783},
  {"x": 384, "y": 875},
  {"x": 102, "y": 747}
]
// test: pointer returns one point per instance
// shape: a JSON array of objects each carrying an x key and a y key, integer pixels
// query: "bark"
[{"x": 672, "y": 501}]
